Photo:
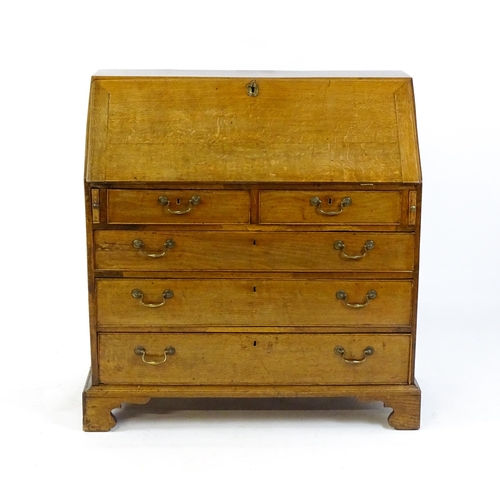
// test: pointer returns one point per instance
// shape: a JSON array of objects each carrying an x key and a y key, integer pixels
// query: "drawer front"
[
  {"x": 340, "y": 207},
  {"x": 245, "y": 359},
  {"x": 130, "y": 206},
  {"x": 256, "y": 251},
  {"x": 257, "y": 302}
]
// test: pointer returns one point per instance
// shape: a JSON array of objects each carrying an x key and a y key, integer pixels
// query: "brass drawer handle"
[
  {"x": 340, "y": 245},
  {"x": 341, "y": 295},
  {"x": 139, "y": 245},
  {"x": 138, "y": 294},
  {"x": 193, "y": 201},
  {"x": 316, "y": 202},
  {"x": 141, "y": 351},
  {"x": 341, "y": 352}
]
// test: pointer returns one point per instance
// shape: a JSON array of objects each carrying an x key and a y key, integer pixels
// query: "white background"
[{"x": 49, "y": 51}]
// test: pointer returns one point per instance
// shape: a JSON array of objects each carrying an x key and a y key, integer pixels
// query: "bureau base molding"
[{"x": 100, "y": 400}]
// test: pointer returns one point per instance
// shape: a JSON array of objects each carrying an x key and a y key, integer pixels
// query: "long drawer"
[
  {"x": 145, "y": 303},
  {"x": 246, "y": 359},
  {"x": 252, "y": 250}
]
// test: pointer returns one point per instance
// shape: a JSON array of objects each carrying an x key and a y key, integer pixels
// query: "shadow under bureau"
[{"x": 252, "y": 235}]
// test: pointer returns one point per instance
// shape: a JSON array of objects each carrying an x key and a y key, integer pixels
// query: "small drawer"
[
  {"x": 253, "y": 251},
  {"x": 253, "y": 359},
  {"x": 330, "y": 207},
  {"x": 130, "y": 206},
  {"x": 141, "y": 303}
]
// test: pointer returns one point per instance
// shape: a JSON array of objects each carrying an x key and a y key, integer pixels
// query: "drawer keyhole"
[
  {"x": 254, "y": 242},
  {"x": 254, "y": 343},
  {"x": 254, "y": 288},
  {"x": 178, "y": 201},
  {"x": 253, "y": 89},
  {"x": 329, "y": 201}
]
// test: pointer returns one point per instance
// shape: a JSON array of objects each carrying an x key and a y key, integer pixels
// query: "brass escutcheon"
[{"x": 252, "y": 89}]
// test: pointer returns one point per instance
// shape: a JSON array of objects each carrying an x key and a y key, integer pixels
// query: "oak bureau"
[{"x": 252, "y": 234}]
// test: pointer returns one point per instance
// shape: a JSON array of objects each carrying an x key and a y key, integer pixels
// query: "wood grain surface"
[
  {"x": 295, "y": 130},
  {"x": 98, "y": 400},
  {"x": 294, "y": 207},
  {"x": 142, "y": 206},
  {"x": 251, "y": 250},
  {"x": 258, "y": 302},
  {"x": 252, "y": 270},
  {"x": 242, "y": 359}
]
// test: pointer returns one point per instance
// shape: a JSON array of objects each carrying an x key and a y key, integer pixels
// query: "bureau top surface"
[
  {"x": 250, "y": 74},
  {"x": 252, "y": 127}
]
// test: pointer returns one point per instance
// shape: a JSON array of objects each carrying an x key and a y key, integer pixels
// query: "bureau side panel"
[
  {"x": 407, "y": 133},
  {"x": 89, "y": 215},
  {"x": 418, "y": 223}
]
